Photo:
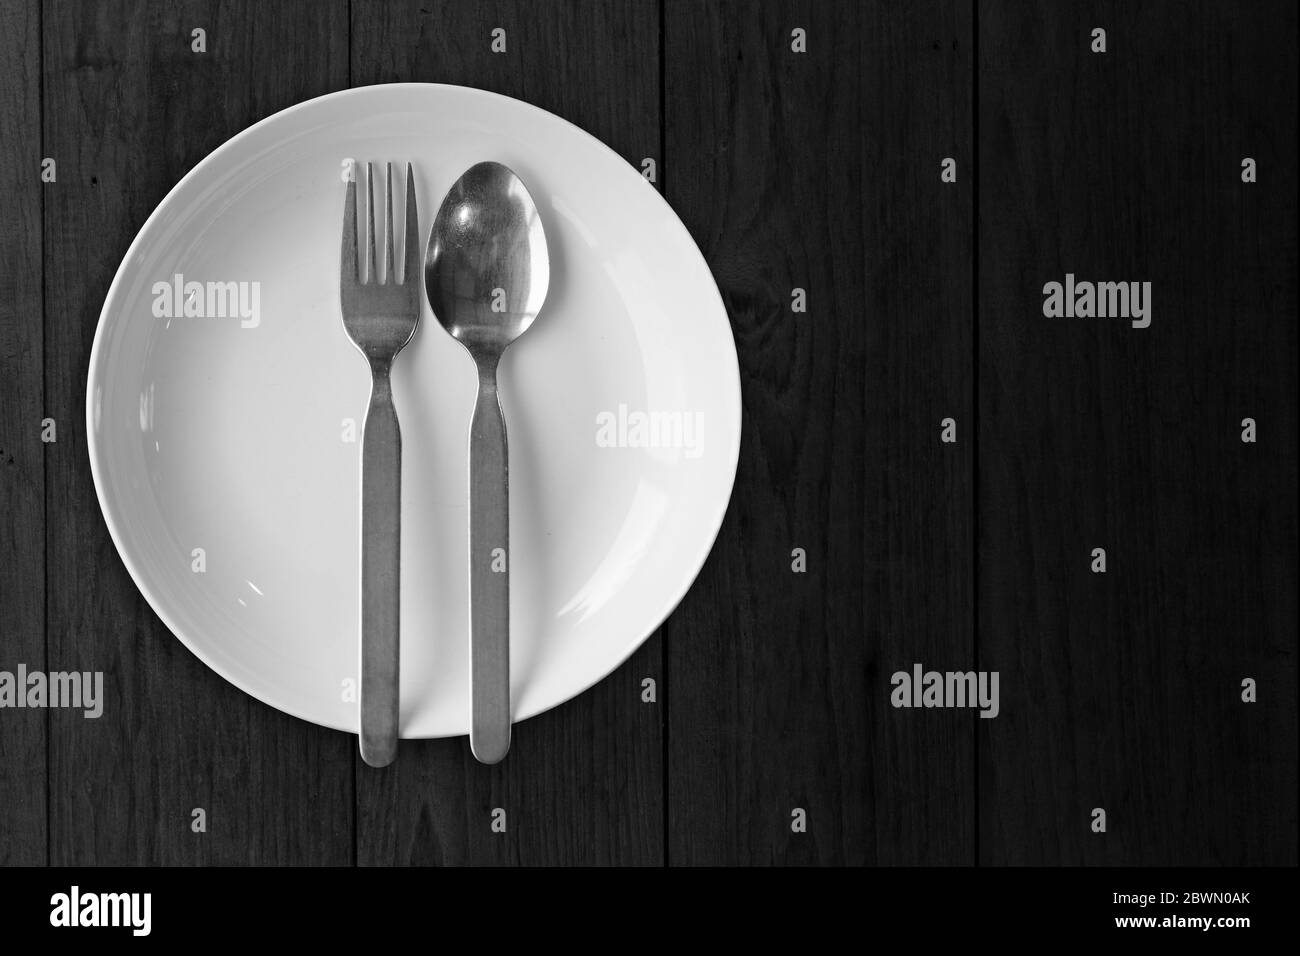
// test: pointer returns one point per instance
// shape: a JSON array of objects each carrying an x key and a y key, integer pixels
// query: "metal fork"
[{"x": 380, "y": 314}]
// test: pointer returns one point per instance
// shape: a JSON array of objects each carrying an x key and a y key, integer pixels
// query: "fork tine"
[
  {"x": 348, "y": 261},
  {"x": 370, "y": 221},
  {"x": 411, "y": 252},
  {"x": 390, "y": 275}
]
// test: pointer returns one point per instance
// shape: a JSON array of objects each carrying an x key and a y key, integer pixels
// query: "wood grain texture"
[
  {"x": 129, "y": 109},
  {"x": 821, "y": 171},
  {"x": 583, "y": 783},
  {"x": 22, "y": 453},
  {"x": 1122, "y": 690}
]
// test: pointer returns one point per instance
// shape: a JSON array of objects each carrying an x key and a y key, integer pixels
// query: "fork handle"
[
  {"x": 489, "y": 574},
  {"x": 381, "y": 549}
]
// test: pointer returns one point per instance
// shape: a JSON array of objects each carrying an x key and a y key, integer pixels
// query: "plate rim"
[{"x": 94, "y": 374}]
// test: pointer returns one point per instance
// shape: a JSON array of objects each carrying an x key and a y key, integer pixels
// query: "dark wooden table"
[{"x": 821, "y": 171}]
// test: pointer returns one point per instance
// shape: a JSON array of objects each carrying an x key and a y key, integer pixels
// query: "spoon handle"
[
  {"x": 489, "y": 574},
  {"x": 381, "y": 562}
]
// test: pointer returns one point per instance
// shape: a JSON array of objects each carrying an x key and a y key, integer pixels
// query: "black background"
[{"x": 819, "y": 171}]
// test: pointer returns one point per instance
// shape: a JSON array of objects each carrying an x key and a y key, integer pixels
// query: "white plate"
[{"x": 227, "y": 434}]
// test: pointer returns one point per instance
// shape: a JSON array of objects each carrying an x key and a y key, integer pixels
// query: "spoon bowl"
[{"x": 486, "y": 268}]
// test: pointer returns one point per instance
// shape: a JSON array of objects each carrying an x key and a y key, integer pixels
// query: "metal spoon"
[{"x": 486, "y": 272}]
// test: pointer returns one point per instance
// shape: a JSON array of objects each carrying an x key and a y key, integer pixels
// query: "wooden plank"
[
  {"x": 129, "y": 108},
  {"x": 1122, "y": 690},
  {"x": 22, "y": 453},
  {"x": 583, "y": 783},
  {"x": 821, "y": 171}
]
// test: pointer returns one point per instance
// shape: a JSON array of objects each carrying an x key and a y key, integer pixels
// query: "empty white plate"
[{"x": 225, "y": 406}]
